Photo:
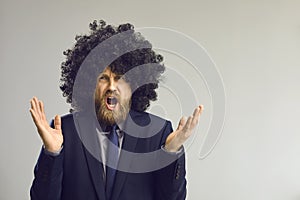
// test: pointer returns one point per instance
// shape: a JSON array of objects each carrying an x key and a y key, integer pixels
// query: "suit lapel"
[
  {"x": 96, "y": 172},
  {"x": 129, "y": 145},
  {"x": 86, "y": 126}
]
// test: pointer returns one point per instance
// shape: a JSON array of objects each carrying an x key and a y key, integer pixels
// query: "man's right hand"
[{"x": 52, "y": 137}]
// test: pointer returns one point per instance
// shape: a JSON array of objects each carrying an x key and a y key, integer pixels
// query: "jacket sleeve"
[
  {"x": 170, "y": 179},
  {"x": 48, "y": 174}
]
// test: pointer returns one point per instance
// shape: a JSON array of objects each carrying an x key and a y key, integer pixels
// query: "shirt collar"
[{"x": 120, "y": 133}]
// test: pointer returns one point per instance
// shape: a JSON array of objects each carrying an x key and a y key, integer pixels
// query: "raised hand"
[
  {"x": 51, "y": 137},
  {"x": 184, "y": 130}
]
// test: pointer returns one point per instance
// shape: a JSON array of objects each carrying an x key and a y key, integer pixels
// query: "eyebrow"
[
  {"x": 107, "y": 75},
  {"x": 103, "y": 74}
]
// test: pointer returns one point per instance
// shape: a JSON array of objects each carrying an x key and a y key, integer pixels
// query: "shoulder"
[
  {"x": 67, "y": 117},
  {"x": 150, "y": 121},
  {"x": 67, "y": 122},
  {"x": 144, "y": 118},
  {"x": 74, "y": 116}
]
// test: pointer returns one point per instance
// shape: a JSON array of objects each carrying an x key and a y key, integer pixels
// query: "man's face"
[{"x": 112, "y": 98}]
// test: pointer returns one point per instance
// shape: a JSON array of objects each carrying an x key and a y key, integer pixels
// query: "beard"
[{"x": 108, "y": 117}]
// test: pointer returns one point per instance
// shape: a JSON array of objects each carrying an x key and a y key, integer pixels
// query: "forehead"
[{"x": 107, "y": 71}]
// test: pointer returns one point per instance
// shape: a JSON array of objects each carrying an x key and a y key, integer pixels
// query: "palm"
[
  {"x": 52, "y": 137},
  {"x": 184, "y": 130}
]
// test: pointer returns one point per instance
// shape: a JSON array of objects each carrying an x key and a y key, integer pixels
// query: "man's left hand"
[{"x": 184, "y": 130}]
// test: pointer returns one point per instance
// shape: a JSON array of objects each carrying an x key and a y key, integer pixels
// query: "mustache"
[{"x": 111, "y": 94}]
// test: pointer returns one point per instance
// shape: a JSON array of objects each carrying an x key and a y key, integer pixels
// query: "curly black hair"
[{"x": 125, "y": 51}]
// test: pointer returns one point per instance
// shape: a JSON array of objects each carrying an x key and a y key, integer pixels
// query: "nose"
[{"x": 112, "y": 85}]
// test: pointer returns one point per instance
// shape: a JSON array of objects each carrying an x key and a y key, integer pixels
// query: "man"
[{"x": 108, "y": 148}]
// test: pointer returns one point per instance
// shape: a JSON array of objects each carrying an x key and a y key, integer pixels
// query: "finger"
[
  {"x": 33, "y": 115},
  {"x": 35, "y": 119},
  {"x": 188, "y": 124},
  {"x": 198, "y": 110},
  {"x": 37, "y": 107},
  {"x": 57, "y": 122},
  {"x": 201, "y": 108},
  {"x": 186, "y": 130},
  {"x": 34, "y": 108},
  {"x": 32, "y": 103},
  {"x": 43, "y": 115},
  {"x": 196, "y": 115},
  {"x": 181, "y": 123}
]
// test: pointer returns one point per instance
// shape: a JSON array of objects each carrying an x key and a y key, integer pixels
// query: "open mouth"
[{"x": 111, "y": 102}]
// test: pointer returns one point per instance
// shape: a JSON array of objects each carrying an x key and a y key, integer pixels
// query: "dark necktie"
[{"x": 112, "y": 161}]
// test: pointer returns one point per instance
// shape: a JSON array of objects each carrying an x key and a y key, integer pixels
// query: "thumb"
[
  {"x": 181, "y": 124},
  {"x": 57, "y": 122}
]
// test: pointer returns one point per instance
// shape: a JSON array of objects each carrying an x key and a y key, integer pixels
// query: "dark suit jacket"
[{"x": 77, "y": 174}]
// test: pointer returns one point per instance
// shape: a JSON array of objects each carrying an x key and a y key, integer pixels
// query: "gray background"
[{"x": 255, "y": 44}]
